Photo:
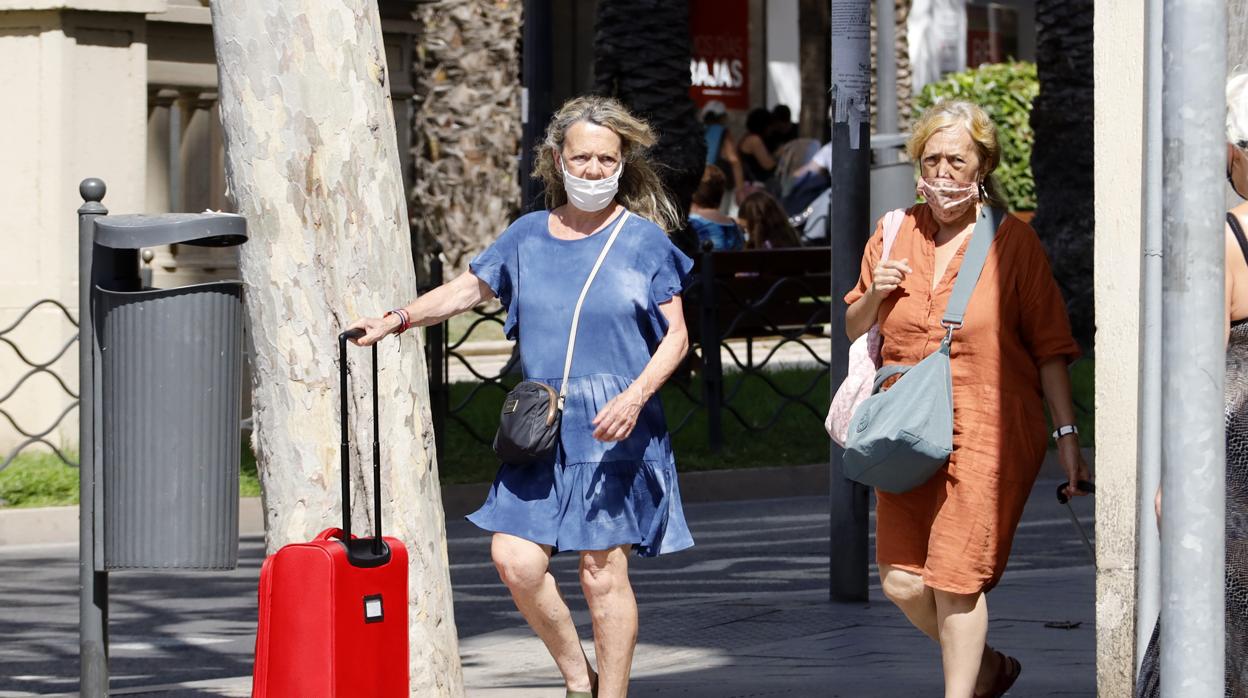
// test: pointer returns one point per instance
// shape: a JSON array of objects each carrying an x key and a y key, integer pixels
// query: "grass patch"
[
  {"x": 485, "y": 331},
  {"x": 1083, "y": 387},
  {"x": 248, "y": 478},
  {"x": 43, "y": 480},
  {"x": 39, "y": 480}
]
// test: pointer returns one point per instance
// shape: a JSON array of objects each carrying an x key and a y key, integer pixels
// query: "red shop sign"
[{"x": 720, "y": 66}]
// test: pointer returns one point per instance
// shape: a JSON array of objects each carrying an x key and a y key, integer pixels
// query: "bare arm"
[
  {"x": 863, "y": 312},
  {"x": 728, "y": 150},
  {"x": 618, "y": 417},
  {"x": 462, "y": 293},
  {"x": 753, "y": 145},
  {"x": 1055, "y": 381}
]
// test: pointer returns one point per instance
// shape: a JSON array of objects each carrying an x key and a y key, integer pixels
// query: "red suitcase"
[{"x": 333, "y": 612}]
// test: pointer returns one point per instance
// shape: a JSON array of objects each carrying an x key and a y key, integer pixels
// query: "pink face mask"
[{"x": 948, "y": 199}]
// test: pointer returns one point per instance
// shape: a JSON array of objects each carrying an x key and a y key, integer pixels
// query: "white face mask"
[{"x": 592, "y": 195}]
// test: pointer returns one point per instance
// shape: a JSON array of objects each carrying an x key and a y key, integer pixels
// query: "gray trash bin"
[{"x": 170, "y": 390}]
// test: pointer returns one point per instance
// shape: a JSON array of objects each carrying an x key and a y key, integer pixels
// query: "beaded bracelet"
[{"x": 404, "y": 320}]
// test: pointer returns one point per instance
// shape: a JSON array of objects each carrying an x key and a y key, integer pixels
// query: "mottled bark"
[
  {"x": 312, "y": 162},
  {"x": 466, "y": 131},
  {"x": 641, "y": 57},
  {"x": 1061, "y": 158}
]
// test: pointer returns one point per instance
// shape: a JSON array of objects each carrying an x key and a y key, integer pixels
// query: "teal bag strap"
[
  {"x": 990, "y": 219},
  {"x": 888, "y": 372}
]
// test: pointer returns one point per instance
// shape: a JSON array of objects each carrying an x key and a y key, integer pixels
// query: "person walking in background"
[
  {"x": 721, "y": 149},
  {"x": 765, "y": 223},
  {"x": 610, "y": 487},
  {"x": 1236, "y": 416},
  {"x": 710, "y": 225},
  {"x": 943, "y": 545}
]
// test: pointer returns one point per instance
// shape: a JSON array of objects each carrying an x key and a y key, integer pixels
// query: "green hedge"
[{"x": 1005, "y": 91}]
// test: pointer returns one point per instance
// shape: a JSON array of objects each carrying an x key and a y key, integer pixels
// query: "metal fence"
[
  {"x": 35, "y": 368},
  {"x": 780, "y": 297},
  {"x": 753, "y": 323}
]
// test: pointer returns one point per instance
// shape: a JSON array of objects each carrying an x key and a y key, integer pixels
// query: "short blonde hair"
[
  {"x": 1237, "y": 108},
  {"x": 952, "y": 113},
  {"x": 641, "y": 191}
]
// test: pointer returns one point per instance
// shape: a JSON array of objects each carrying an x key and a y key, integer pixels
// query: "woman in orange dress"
[{"x": 943, "y": 545}]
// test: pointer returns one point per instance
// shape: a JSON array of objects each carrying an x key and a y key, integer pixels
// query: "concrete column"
[
  {"x": 79, "y": 109},
  {"x": 1118, "y": 122}
]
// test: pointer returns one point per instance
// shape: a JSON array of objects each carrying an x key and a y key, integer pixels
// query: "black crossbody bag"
[{"x": 528, "y": 428}]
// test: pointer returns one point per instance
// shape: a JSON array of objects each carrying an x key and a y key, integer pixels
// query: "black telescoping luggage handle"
[{"x": 377, "y": 548}]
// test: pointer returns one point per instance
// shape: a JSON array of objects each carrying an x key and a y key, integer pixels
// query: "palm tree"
[
  {"x": 641, "y": 57},
  {"x": 466, "y": 125}
]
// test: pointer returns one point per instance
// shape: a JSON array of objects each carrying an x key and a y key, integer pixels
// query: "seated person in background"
[
  {"x": 721, "y": 149},
  {"x": 819, "y": 164},
  {"x": 782, "y": 129},
  {"x": 705, "y": 218},
  {"x": 757, "y": 160},
  {"x": 766, "y": 225}
]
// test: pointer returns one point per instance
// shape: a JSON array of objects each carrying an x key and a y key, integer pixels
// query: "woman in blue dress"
[{"x": 611, "y": 486}]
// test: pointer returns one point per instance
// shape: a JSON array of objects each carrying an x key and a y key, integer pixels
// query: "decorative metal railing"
[
  {"x": 779, "y": 297},
  {"x": 35, "y": 368},
  {"x": 776, "y": 312}
]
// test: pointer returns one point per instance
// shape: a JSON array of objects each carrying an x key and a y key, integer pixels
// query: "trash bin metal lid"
[{"x": 132, "y": 232}]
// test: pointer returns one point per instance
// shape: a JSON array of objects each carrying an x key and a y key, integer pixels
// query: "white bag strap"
[
  {"x": 576, "y": 314},
  {"x": 892, "y": 224}
]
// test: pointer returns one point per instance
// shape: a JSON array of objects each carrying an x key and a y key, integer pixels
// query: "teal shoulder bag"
[{"x": 899, "y": 438}]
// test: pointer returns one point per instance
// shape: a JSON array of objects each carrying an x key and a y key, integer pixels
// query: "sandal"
[
  {"x": 592, "y": 693},
  {"x": 1007, "y": 674}
]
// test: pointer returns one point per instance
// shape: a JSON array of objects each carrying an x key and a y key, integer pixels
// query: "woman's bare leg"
[
  {"x": 962, "y": 621},
  {"x": 918, "y": 602},
  {"x": 604, "y": 578},
  {"x": 524, "y": 567}
]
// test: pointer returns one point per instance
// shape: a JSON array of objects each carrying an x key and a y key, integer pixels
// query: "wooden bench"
[{"x": 749, "y": 295}]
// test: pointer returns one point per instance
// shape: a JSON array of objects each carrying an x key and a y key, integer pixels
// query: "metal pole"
[
  {"x": 1148, "y": 444},
  {"x": 886, "y": 66},
  {"x": 1193, "y": 445},
  {"x": 712, "y": 368},
  {"x": 849, "y": 230},
  {"x": 93, "y": 584},
  {"x": 435, "y": 357}
]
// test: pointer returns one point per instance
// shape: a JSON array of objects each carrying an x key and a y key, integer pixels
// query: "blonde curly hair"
[
  {"x": 641, "y": 190},
  {"x": 951, "y": 113}
]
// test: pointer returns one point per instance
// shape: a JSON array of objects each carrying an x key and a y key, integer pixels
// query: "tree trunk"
[
  {"x": 814, "y": 49},
  {"x": 467, "y": 125},
  {"x": 901, "y": 58},
  {"x": 312, "y": 162},
  {"x": 641, "y": 57},
  {"x": 1061, "y": 158}
]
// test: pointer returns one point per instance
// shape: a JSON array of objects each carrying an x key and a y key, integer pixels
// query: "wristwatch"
[{"x": 1065, "y": 430}]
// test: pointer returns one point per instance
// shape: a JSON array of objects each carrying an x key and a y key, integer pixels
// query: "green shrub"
[{"x": 1005, "y": 91}]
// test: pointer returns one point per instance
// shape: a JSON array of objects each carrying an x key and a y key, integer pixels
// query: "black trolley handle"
[{"x": 345, "y": 450}]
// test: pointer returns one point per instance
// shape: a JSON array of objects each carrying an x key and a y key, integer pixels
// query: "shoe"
[
  {"x": 592, "y": 693},
  {"x": 1007, "y": 674}
]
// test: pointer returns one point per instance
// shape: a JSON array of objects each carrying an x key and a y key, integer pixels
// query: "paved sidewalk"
[{"x": 744, "y": 613}]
